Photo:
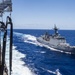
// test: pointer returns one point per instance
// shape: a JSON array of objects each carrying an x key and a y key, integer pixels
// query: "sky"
[{"x": 43, "y": 14}]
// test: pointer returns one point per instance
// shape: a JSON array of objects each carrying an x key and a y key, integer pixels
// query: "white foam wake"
[
  {"x": 32, "y": 40},
  {"x": 53, "y": 72},
  {"x": 18, "y": 67}
]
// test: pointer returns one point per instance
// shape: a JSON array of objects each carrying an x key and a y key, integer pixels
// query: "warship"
[
  {"x": 5, "y": 6},
  {"x": 56, "y": 41}
]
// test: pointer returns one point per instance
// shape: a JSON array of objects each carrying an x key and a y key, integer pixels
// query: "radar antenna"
[{"x": 55, "y": 29}]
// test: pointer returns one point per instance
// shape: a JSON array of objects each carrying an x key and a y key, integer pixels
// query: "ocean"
[{"x": 32, "y": 58}]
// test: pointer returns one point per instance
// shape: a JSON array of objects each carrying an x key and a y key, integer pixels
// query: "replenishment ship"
[
  {"x": 5, "y": 6},
  {"x": 56, "y": 41}
]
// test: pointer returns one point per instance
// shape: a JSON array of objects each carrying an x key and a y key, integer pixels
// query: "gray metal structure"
[{"x": 5, "y": 6}]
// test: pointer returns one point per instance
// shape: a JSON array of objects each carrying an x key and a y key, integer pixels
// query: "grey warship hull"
[{"x": 70, "y": 49}]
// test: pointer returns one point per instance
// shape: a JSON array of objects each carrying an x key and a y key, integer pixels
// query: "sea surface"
[{"x": 32, "y": 58}]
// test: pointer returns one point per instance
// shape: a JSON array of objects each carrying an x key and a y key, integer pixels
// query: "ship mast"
[
  {"x": 55, "y": 29},
  {"x": 5, "y": 6}
]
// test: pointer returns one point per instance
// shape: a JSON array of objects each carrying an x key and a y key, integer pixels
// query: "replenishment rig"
[{"x": 5, "y": 6}]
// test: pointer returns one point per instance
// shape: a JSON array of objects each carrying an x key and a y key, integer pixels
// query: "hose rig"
[{"x": 5, "y": 6}]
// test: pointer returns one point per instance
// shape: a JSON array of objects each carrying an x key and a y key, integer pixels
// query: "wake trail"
[
  {"x": 18, "y": 67},
  {"x": 52, "y": 72}
]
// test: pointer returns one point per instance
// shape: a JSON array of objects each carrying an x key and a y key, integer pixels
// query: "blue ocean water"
[{"x": 41, "y": 60}]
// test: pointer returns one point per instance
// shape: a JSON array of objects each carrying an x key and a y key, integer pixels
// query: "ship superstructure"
[{"x": 56, "y": 41}]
